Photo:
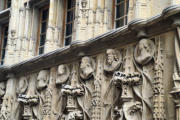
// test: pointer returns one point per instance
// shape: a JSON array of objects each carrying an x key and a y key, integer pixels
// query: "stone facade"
[{"x": 129, "y": 73}]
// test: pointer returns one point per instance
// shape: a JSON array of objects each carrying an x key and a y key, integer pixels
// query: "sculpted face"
[
  {"x": 86, "y": 67},
  {"x": 144, "y": 51},
  {"x": 112, "y": 60},
  {"x": 42, "y": 79},
  {"x": 111, "y": 56},
  {"x": 61, "y": 69},
  {"x": 2, "y": 89},
  {"x": 22, "y": 85},
  {"x": 62, "y": 74}
]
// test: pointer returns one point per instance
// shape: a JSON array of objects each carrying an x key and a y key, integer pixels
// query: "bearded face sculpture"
[
  {"x": 144, "y": 51},
  {"x": 112, "y": 61},
  {"x": 42, "y": 79},
  {"x": 62, "y": 74},
  {"x": 86, "y": 68}
]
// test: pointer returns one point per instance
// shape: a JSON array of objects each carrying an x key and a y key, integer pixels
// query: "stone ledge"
[{"x": 115, "y": 38}]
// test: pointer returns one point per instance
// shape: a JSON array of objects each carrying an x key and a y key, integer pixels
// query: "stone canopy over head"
[
  {"x": 144, "y": 51},
  {"x": 113, "y": 60},
  {"x": 86, "y": 67},
  {"x": 42, "y": 79}
]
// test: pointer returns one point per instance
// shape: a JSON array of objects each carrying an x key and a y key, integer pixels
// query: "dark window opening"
[
  {"x": 121, "y": 7},
  {"x": 70, "y": 16},
  {"x": 4, "y": 41},
  {"x": 7, "y": 4},
  {"x": 43, "y": 27}
]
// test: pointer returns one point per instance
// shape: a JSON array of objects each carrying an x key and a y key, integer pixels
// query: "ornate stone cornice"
[{"x": 116, "y": 37}]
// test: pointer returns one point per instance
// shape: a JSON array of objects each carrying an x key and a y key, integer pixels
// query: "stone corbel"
[{"x": 141, "y": 33}]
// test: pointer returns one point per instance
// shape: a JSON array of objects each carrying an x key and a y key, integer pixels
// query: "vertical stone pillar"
[
  {"x": 97, "y": 98},
  {"x": 26, "y": 32},
  {"x": 175, "y": 2},
  {"x": 49, "y": 44},
  {"x": 58, "y": 34},
  {"x": 11, "y": 52},
  {"x": 142, "y": 11},
  {"x": 7, "y": 110},
  {"x": 90, "y": 20}
]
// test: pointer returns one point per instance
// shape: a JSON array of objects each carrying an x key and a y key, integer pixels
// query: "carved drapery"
[
  {"x": 176, "y": 75},
  {"x": 120, "y": 84}
]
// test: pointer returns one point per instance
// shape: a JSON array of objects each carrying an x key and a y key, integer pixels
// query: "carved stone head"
[
  {"x": 62, "y": 74},
  {"x": 42, "y": 79},
  {"x": 22, "y": 85},
  {"x": 2, "y": 89},
  {"x": 86, "y": 68},
  {"x": 113, "y": 60},
  {"x": 144, "y": 51}
]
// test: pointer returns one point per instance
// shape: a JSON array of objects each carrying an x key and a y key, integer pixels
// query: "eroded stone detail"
[
  {"x": 124, "y": 84},
  {"x": 144, "y": 51},
  {"x": 62, "y": 74},
  {"x": 113, "y": 60}
]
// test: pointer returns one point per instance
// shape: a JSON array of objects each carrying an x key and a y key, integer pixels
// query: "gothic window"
[
  {"x": 43, "y": 23},
  {"x": 3, "y": 43},
  {"x": 7, "y": 4},
  {"x": 121, "y": 12},
  {"x": 70, "y": 16}
]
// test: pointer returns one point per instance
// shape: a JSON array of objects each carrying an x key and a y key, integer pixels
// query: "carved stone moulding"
[
  {"x": 113, "y": 60},
  {"x": 144, "y": 51}
]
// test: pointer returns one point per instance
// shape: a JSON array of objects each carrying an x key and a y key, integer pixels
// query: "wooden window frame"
[
  {"x": 124, "y": 17},
  {"x": 39, "y": 28},
  {"x": 2, "y": 43},
  {"x": 65, "y": 22},
  {"x": 6, "y": 4}
]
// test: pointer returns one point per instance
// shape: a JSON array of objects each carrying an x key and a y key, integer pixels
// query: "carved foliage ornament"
[
  {"x": 144, "y": 51},
  {"x": 113, "y": 60}
]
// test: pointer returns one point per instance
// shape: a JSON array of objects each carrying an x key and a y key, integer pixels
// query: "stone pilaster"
[
  {"x": 142, "y": 11},
  {"x": 49, "y": 45}
]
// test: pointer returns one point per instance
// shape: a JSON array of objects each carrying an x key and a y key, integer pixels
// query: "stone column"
[
  {"x": 7, "y": 110},
  {"x": 49, "y": 45},
  {"x": 58, "y": 34},
  {"x": 175, "y": 2},
  {"x": 142, "y": 10},
  {"x": 11, "y": 52}
]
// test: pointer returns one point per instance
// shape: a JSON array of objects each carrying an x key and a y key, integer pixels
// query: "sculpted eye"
[{"x": 117, "y": 73}]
